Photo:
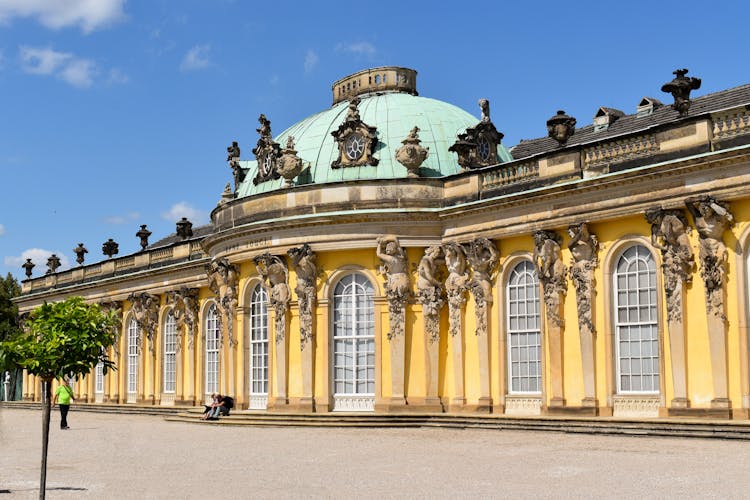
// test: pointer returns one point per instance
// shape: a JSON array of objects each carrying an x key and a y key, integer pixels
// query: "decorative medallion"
[
  {"x": 266, "y": 153},
  {"x": 356, "y": 140}
]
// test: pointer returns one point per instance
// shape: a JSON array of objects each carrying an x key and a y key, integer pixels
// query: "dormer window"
[
  {"x": 647, "y": 106},
  {"x": 605, "y": 117}
]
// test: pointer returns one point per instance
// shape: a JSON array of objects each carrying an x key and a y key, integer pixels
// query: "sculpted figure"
[
  {"x": 484, "y": 105},
  {"x": 711, "y": 219},
  {"x": 275, "y": 277},
  {"x": 352, "y": 114},
  {"x": 146, "y": 313},
  {"x": 397, "y": 284},
  {"x": 185, "y": 309},
  {"x": 583, "y": 247},
  {"x": 233, "y": 157},
  {"x": 430, "y": 289},
  {"x": 669, "y": 234},
  {"x": 305, "y": 263},
  {"x": 482, "y": 254},
  {"x": 456, "y": 284},
  {"x": 548, "y": 260},
  {"x": 223, "y": 278},
  {"x": 265, "y": 127}
]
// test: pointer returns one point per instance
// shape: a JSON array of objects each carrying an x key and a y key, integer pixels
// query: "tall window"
[
  {"x": 133, "y": 333},
  {"x": 170, "y": 352},
  {"x": 524, "y": 330},
  {"x": 637, "y": 342},
  {"x": 212, "y": 350},
  {"x": 354, "y": 337},
  {"x": 258, "y": 348},
  {"x": 99, "y": 378}
]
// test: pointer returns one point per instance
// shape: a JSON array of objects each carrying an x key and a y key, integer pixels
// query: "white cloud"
[
  {"x": 196, "y": 58},
  {"x": 2, "y": 230},
  {"x": 311, "y": 60},
  {"x": 74, "y": 70},
  {"x": 182, "y": 209},
  {"x": 117, "y": 76},
  {"x": 360, "y": 48},
  {"x": 89, "y": 15},
  {"x": 122, "y": 219},
  {"x": 39, "y": 257}
]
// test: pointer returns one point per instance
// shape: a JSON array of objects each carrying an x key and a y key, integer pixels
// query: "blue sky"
[{"x": 116, "y": 113}]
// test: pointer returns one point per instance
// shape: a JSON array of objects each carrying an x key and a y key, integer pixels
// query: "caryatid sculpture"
[
  {"x": 114, "y": 307},
  {"x": 549, "y": 265},
  {"x": 430, "y": 290},
  {"x": 146, "y": 313},
  {"x": 482, "y": 256},
  {"x": 275, "y": 278},
  {"x": 711, "y": 219},
  {"x": 305, "y": 264},
  {"x": 583, "y": 247},
  {"x": 669, "y": 233},
  {"x": 456, "y": 284},
  {"x": 397, "y": 284},
  {"x": 223, "y": 279},
  {"x": 185, "y": 307}
]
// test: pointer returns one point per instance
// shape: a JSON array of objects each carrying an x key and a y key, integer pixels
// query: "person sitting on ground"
[
  {"x": 226, "y": 403},
  {"x": 215, "y": 398}
]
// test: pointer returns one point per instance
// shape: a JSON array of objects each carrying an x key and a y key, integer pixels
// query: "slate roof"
[
  {"x": 628, "y": 124},
  {"x": 199, "y": 232}
]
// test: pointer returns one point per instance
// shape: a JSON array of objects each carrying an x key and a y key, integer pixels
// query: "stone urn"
[
  {"x": 289, "y": 165},
  {"x": 411, "y": 155}
]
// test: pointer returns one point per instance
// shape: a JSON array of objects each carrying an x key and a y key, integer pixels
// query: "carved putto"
[
  {"x": 233, "y": 158},
  {"x": 712, "y": 218},
  {"x": 584, "y": 247},
  {"x": 275, "y": 276},
  {"x": 143, "y": 235},
  {"x": 226, "y": 196},
  {"x": 456, "y": 285},
  {"x": 430, "y": 289},
  {"x": 266, "y": 153},
  {"x": 395, "y": 268},
  {"x": 305, "y": 264},
  {"x": 483, "y": 256},
  {"x": 27, "y": 267},
  {"x": 680, "y": 89},
  {"x": 560, "y": 127},
  {"x": 549, "y": 265},
  {"x": 411, "y": 155},
  {"x": 184, "y": 228},
  {"x": 53, "y": 262},
  {"x": 185, "y": 307},
  {"x": 669, "y": 233},
  {"x": 110, "y": 248},
  {"x": 146, "y": 313},
  {"x": 478, "y": 146},
  {"x": 289, "y": 165},
  {"x": 80, "y": 252},
  {"x": 356, "y": 140},
  {"x": 223, "y": 279}
]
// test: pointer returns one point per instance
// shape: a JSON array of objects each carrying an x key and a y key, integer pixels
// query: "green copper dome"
[{"x": 394, "y": 114}]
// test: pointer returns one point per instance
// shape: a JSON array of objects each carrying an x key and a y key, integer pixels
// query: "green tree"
[
  {"x": 8, "y": 310},
  {"x": 63, "y": 339}
]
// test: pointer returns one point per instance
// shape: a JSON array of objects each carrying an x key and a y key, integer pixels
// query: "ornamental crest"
[
  {"x": 266, "y": 153},
  {"x": 356, "y": 140},
  {"x": 478, "y": 146}
]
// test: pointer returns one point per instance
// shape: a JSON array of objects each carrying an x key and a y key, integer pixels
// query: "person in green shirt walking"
[{"x": 64, "y": 394}]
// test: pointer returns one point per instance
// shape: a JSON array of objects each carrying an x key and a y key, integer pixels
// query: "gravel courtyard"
[{"x": 122, "y": 456}]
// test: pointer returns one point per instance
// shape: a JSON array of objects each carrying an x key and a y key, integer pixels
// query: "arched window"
[
  {"x": 212, "y": 350},
  {"x": 524, "y": 331},
  {"x": 258, "y": 348},
  {"x": 637, "y": 336},
  {"x": 170, "y": 353},
  {"x": 353, "y": 344},
  {"x": 132, "y": 361},
  {"x": 99, "y": 379}
]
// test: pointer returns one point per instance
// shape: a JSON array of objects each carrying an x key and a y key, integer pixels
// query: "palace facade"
[{"x": 390, "y": 254}]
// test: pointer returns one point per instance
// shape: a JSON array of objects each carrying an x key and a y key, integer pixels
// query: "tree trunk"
[{"x": 46, "y": 410}]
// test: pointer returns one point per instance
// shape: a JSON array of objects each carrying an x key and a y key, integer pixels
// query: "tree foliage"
[
  {"x": 9, "y": 288},
  {"x": 62, "y": 339}
]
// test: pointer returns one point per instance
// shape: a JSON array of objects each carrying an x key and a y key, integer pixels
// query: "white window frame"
[
  {"x": 211, "y": 363},
  {"x": 259, "y": 348},
  {"x": 353, "y": 327},
  {"x": 523, "y": 278},
  {"x": 169, "y": 355},
  {"x": 99, "y": 378},
  {"x": 639, "y": 253},
  {"x": 132, "y": 360}
]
